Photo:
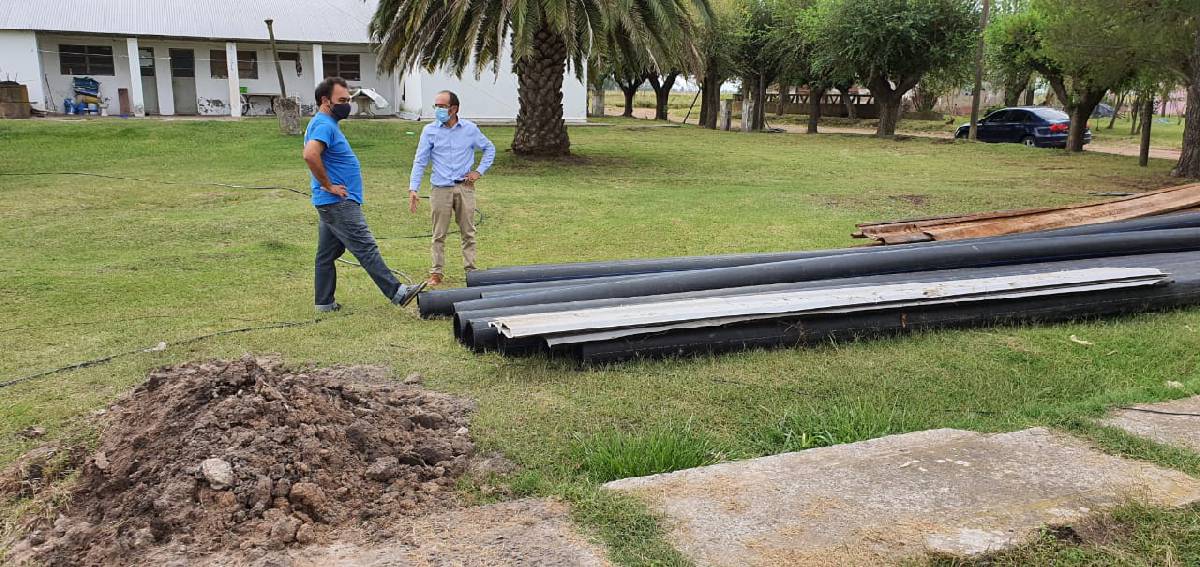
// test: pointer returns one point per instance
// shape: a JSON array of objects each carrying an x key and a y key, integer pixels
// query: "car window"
[
  {"x": 1051, "y": 114},
  {"x": 998, "y": 116}
]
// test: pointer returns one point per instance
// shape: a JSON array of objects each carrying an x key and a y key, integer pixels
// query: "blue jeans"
[{"x": 343, "y": 227}]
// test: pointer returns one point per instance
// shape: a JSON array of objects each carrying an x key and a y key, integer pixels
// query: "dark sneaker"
[
  {"x": 329, "y": 308},
  {"x": 410, "y": 293}
]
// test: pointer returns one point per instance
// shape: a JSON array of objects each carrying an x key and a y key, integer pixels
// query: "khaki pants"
[{"x": 457, "y": 202}]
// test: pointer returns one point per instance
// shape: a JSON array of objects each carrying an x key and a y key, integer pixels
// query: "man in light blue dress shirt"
[{"x": 449, "y": 144}]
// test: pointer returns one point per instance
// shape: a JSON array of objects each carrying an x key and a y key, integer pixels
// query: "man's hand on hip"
[
  {"x": 413, "y": 201},
  {"x": 339, "y": 190},
  {"x": 473, "y": 177}
]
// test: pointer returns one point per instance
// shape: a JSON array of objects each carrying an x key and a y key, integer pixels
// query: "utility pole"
[
  {"x": 979, "y": 48},
  {"x": 287, "y": 109}
]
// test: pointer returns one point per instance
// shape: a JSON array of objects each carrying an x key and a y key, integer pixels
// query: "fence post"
[{"x": 726, "y": 114}]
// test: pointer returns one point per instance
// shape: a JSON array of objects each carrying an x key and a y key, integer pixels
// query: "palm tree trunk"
[{"x": 540, "y": 127}]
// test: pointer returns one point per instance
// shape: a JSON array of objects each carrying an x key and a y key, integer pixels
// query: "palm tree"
[{"x": 544, "y": 36}]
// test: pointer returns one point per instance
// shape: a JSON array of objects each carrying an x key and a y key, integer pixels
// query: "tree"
[
  {"x": 891, "y": 44},
  {"x": 977, "y": 88},
  {"x": 1189, "y": 158},
  {"x": 794, "y": 40},
  {"x": 759, "y": 64},
  {"x": 662, "y": 85},
  {"x": 717, "y": 45},
  {"x": 545, "y": 38}
]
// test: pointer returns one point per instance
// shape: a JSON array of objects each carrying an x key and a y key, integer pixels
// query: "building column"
[
  {"x": 162, "y": 80},
  {"x": 318, "y": 67},
  {"x": 318, "y": 63},
  {"x": 135, "y": 78},
  {"x": 235, "y": 82}
]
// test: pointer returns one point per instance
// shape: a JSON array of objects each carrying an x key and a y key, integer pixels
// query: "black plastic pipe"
[
  {"x": 887, "y": 261},
  {"x": 554, "y": 272},
  {"x": 441, "y": 302},
  {"x": 473, "y": 330},
  {"x": 799, "y": 331}
]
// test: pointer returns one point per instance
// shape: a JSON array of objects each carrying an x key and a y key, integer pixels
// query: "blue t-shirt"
[{"x": 341, "y": 165}]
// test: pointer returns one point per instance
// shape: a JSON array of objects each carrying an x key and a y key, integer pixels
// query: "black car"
[{"x": 1034, "y": 126}]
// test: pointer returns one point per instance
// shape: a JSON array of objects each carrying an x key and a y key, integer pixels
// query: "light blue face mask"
[{"x": 442, "y": 115}]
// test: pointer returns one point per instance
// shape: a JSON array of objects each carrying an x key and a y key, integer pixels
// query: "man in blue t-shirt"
[{"x": 337, "y": 193}]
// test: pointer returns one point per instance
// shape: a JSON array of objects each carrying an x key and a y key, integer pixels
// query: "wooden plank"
[{"x": 999, "y": 223}]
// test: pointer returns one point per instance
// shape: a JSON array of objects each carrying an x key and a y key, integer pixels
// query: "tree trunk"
[
  {"x": 973, "y": 133},
  {"x": 888, "y": 100},
  {"x": 850, "y": 102},
  {"x": 760, "y": 104},
  {"x": 1015, "y": 88},
  {"x": 1133, "y": 115},
  {"x": 1144, "y": 149},
  {"x": 1060, "y": 90},
  {"x": 814, "y": 107},
  {"x": 1030, "y": 93},
  {"x": 540, "y": 127},
  {"x": 1081, "y": 111},
  {"x": 1189, "y": 158},
  {"x": 662, "y": 93},
  {"x": 785, "y": 90},
  {"x": 889, "y": 114},
  {"x": 747, "y": 106},
  {"x": 710, "y": 101},
  {"x": 1117, "y": 110},
  {"x": 597, "y": 101}
]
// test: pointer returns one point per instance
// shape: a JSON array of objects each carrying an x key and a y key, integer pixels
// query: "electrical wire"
[
  {"x": 280, "y": 325},
  {"x": 163, "y": 345}
]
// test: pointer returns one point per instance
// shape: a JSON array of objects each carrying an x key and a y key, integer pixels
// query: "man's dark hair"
[
  {"x": 453, "y": 97},
  {"x": 325, "y": 88}
]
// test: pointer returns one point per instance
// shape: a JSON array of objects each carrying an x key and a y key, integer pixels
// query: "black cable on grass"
[
  {"x": 1159, "y": 412},
  {"x": 159, "y": 181},
  {"x": 478, "y": 213},
  {"x": 163, "y": 345}
]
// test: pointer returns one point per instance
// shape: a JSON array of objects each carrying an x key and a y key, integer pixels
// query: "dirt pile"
[{"x": 250, "y": 455}]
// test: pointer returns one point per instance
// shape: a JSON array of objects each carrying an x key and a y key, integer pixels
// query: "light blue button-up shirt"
[{"x": 453, "y": 153}]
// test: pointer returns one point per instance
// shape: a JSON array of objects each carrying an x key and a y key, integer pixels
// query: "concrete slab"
[
  {"x": 1162, "y": 422},
  {"x": 886, "y": 500}
]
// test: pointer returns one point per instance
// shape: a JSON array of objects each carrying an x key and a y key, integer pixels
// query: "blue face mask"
[{"x": 442, "y": 115}]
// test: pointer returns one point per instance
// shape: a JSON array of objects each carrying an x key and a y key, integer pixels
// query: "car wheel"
[{"x": 1029, "y": 142}]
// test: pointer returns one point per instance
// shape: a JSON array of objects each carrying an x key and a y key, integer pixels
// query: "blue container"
[{"x": 68, "y": 106}]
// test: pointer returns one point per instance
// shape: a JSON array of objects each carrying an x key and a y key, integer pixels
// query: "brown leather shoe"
[{"x": 435, "y": 279}]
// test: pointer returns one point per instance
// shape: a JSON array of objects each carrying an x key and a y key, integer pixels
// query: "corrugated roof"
[{"x": 324, "y": 21}]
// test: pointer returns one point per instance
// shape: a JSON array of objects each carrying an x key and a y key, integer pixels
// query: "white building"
[{"x": 213, "y": 58}]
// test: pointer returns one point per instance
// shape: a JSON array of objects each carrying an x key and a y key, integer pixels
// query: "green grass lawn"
[
  {"x": 1164, "y": 132},
  {"x": 93, "y": 267}
]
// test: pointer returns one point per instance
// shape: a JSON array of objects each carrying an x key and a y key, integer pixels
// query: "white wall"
[
  {"x": 19, "y": 62},
  {"x": 491, "y": 97},
  {"x": 60, "y": 85},
  {"x": 212, "y": 93}
]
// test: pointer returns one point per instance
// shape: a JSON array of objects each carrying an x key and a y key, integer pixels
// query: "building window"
[
  {"x": 183, "y": 63},
  {"x": 85, "y": 60},
  {"x": 344, "y": 65},
  {"x": 247, "y": 64},
  {"x": 218, "y": 67},
  {"x": 146, "y": 61},
  {"x": 292, "y": 56}
]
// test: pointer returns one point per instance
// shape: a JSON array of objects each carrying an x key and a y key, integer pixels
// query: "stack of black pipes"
[{"x": 1170, "y": 243}]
